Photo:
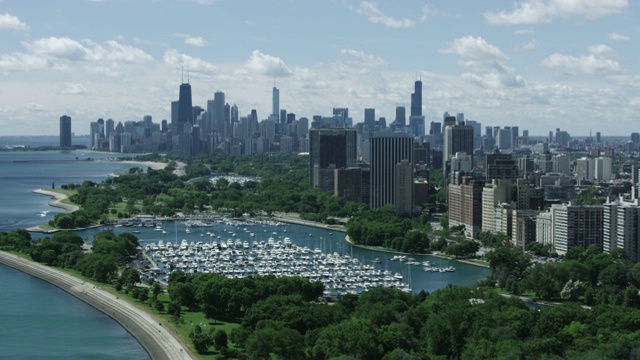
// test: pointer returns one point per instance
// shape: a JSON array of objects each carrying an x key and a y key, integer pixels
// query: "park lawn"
[
  {"x": 66, "y": 192},
  {"x": 120, "y": 207}
]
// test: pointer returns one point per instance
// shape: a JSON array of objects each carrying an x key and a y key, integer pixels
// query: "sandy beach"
[
  {"x": 157, "y": 340},
  {"x": 147, "y": 164}
]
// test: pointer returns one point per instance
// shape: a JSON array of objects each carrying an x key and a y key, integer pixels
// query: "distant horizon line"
[{"x": 530, "y": 136}]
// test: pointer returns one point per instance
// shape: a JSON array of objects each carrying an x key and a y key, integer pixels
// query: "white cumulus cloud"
[
  {"x": 268, "y": 65},
  {"x": 618, "y": 37},
  {"x": 362, "y": 58},
  {"x": 600, "y": 60},
  {"x": 470, "y": 48},
  {"x": 486, "y": 60},
  {"x": 58, "y": 48},
  {"x": 74, "y": 89},
  {"x": 376, "y": 16},
  {"x": 8, "y": 21},
  {"x": 175, "y": 60},
  {"x": 18, "y": 61},
  {"x": 195, "y": 41},
  {"x": 66, "y": 49},
  {"x": 545, "y": 11},
  {"x": 531, "y": 45}
]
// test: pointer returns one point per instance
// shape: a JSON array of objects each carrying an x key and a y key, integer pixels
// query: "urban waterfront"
[
  {"x": 32, "y": 170},
  {"x": 327, "y": 241}
]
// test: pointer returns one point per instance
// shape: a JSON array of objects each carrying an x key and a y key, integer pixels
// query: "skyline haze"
[{"x": 536, "y": 64}]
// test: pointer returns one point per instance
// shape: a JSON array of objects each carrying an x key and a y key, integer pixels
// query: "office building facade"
[
  {"x": 386, "y": 150},
  {"x": 65, "y": 131}
]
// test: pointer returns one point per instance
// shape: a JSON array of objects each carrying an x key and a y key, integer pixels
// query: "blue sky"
[{"x": 537, "y": 64}]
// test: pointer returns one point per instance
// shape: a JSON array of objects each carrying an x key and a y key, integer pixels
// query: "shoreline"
[
  {"x": 440, "y": 256},
  {"x": 292, "y": 218},
  {"x": 58, "y": 198},
  {"x": 57, "y": 203},
  {"x": 155, "y": 338},
  {"x": 289, "y": 218}
]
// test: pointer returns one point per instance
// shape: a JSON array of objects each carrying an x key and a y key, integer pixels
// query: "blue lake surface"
[{"x": 66, "y": 328}]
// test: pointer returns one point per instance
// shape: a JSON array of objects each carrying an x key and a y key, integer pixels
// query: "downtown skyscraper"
[
  {"x": 390, "y": 154},
  {"x": 275, "y": 101},
  {"x": 330, "y": 149},
  {"x": 416, "y": 99},
  {"x": 65, "y": 131},
  {"x": 416, "y": 119},
  {"x": 185, "y": 107}
]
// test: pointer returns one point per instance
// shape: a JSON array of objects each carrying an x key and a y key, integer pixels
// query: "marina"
[
  {"x": 417, "y": 272},
  {"x": 340, "y": 274}
]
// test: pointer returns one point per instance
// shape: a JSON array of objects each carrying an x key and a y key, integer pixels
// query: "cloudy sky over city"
[{"x": 537, "y": 64}]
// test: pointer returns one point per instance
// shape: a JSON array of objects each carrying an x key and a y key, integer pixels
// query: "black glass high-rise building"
[
  {"x": 330, "y": 149},
  {"x": 185, "y": 106},
  {"x": 65, "y": 131},
  {"x": 416, "y": 99}
]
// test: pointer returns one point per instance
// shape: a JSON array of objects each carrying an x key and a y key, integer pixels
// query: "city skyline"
[{"x": 539, "y": 64}]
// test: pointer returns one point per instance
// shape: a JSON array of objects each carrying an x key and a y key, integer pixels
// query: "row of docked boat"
[
  {"x": 234, "y": 258},
  {"x": 426, "y": 265},
  {"x": 439, "y": 269}
]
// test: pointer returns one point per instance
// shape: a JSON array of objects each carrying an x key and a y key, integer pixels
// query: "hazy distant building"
[
  {"x": 65, "y": 131},
  {"x": 585, "y": 169},
  {"x": 175, "y": 105},
  {"x": 219, "y": 115},
  {"x": 602, "y": 169},
  {"x": 561, "y": 163},
  {"x": 369, "y": 119},
  {"x": 275, "y": 101},
  {"x": 401, "y": 117}
]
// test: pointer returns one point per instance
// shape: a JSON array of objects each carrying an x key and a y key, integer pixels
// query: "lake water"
[{"x": 38, "y": 319}]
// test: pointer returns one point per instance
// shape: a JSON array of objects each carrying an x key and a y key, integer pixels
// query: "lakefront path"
[{"x": 157, "y": 340}]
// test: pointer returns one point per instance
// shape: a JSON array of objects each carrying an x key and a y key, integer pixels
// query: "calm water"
[
  {"x": 327, "y": 241},
  {"x": 66, "y": 327},
  {"x": 38, "y": 320}
]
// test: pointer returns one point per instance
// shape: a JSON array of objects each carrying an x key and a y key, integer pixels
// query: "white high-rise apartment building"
[{"x": 602, "y": 171}]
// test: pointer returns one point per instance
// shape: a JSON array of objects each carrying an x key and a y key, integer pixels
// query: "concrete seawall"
[{"x": 157, "y": 340}]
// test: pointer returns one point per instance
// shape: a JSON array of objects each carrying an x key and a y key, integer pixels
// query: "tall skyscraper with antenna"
[
  {"x": 416, "y": 99},
  {"x": 416, "y": 119},
  {"x": 185, "y": 105}
]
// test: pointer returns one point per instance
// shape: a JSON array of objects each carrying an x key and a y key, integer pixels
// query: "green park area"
[{"x": 597, "y": 295}]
